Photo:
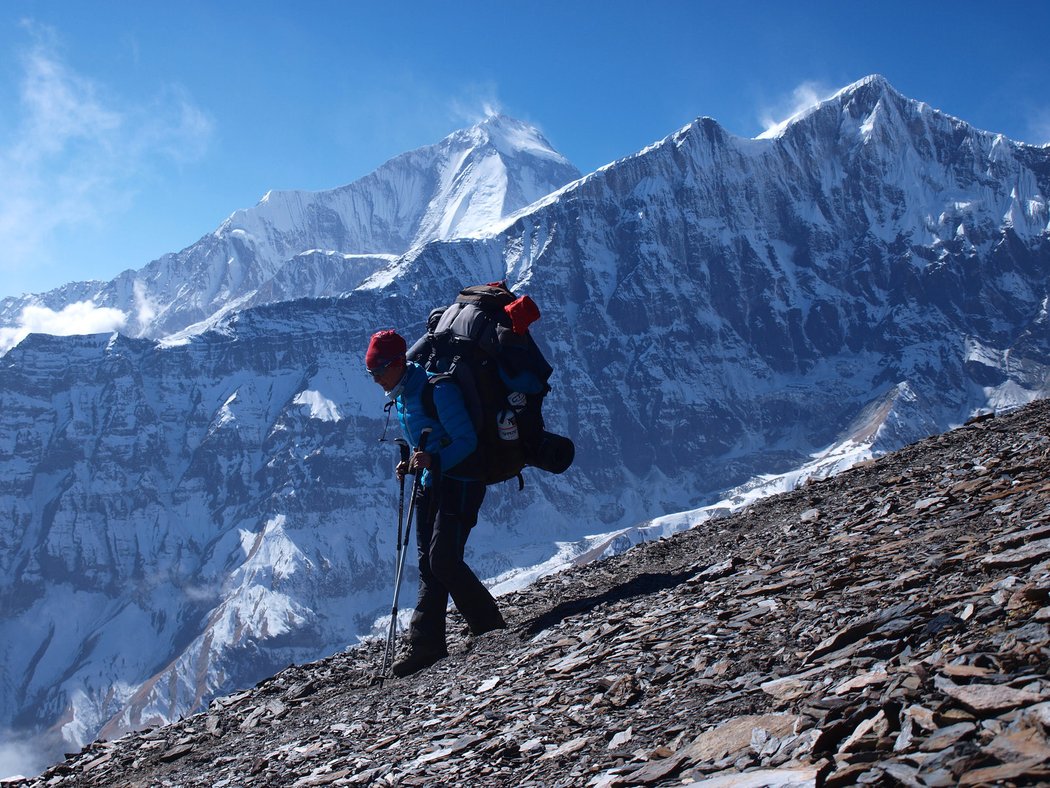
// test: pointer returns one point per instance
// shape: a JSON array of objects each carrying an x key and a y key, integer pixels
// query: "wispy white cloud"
[
  {"x": 476, "y": 103},
  {"x": 20, "y": 756},
  {"x": 145, "y": 307},
  {"x": 78, "y": 154},
  {"x": 801, "y": 98},
  {"x": 82, "y": 317}
]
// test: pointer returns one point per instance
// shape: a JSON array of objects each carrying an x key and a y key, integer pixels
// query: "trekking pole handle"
[{"x": 424, "y": 434}]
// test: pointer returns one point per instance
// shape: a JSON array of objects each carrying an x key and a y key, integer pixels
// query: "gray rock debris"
[{"x": 899, "y": 637}]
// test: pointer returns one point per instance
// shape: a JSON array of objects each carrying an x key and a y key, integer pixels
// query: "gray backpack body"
[{"x": 502, "y": 375}]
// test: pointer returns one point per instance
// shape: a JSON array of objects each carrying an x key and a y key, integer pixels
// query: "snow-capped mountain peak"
[
  {"x": 457, "y": 187},
  {"x": 512, "y": 137},
  {"x": 858, "y": 99}
]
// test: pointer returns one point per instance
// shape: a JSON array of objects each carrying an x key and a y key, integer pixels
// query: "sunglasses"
[{"x": 378, "y": 371}]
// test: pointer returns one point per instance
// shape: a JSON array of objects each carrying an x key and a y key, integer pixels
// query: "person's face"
[{"x": 387, "y": 375}]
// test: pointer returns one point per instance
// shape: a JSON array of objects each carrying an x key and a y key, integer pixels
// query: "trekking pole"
[
  {"x": 403, "y": 446},
  {"x": 402, "y": 552}
]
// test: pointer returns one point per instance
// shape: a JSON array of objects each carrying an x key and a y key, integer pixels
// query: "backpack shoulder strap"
[{"x": 427, "y": 396}]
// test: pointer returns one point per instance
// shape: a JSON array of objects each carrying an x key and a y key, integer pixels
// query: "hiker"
[{"x": 447, "y": 507}]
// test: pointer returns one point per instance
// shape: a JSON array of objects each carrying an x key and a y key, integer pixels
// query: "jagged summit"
[
  {"x": 875, "y": 84},
  {"x": 512, "y": 137},
  {"x": 871, "y": 101},
  {"x": 498, "y": 134},
  {"x": 858, "y": 99}
]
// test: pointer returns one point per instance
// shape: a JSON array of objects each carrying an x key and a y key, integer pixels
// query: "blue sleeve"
[
  {"x": 452, "y": 413},
  {"x": 526, "y": 382}
]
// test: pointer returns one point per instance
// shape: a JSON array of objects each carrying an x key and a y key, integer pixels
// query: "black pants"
[{"x": 446, "y": 513}]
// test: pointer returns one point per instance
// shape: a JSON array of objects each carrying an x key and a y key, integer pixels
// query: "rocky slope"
[{"x": 886, "y": 626}]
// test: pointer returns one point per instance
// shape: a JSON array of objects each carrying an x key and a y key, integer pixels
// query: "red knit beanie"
[{"x": 385, "y": 346}]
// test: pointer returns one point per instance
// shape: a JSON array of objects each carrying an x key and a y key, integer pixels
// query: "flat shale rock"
[{"x": 884, "y": 627}]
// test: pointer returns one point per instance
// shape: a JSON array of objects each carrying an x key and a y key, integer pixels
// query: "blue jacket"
[{"x": 452, "y": 438}]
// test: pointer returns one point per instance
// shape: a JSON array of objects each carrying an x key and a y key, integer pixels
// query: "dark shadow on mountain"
[{"x": 642, "y": 585}]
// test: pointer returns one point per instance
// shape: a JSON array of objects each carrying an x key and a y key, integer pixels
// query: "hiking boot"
[{"x": 416, "y": 660}]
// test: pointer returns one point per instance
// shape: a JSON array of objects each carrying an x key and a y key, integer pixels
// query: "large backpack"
[{"x": 475, "y": 344}]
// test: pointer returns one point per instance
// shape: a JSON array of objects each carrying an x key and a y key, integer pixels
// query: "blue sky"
[{"x": 131, "y": 129}]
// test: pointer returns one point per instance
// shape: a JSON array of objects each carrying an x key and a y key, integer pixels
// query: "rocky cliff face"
[{"x": 215, "y": 505}]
